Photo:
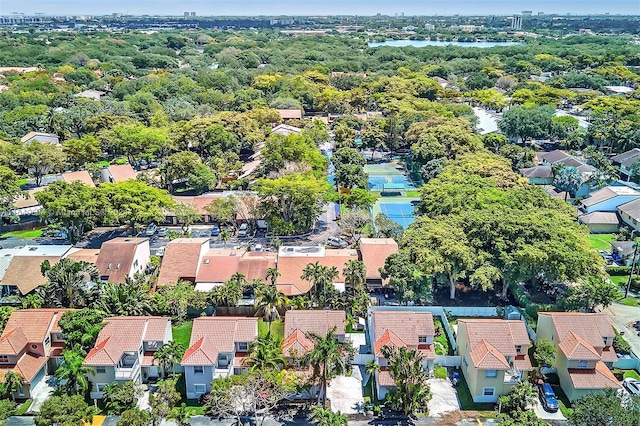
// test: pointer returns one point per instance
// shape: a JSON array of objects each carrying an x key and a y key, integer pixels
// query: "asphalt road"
[{"x": 623, "y": 318}]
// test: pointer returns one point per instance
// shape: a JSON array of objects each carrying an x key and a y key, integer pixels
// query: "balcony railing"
[
  {"x": 513, "y": 375},
  {"x": 127, "y": 373}
]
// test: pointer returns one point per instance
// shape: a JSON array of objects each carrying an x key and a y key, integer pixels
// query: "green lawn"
[
  {"x": 22, "y": 408},
  {"x": 620, "y": 280},
  {"x": 194, "y": 408},
  {"x": 28, "y": 233},
  {"x": 631, "y": 374},
  {"x": 442, "y": 345},
  {"x": 182, "y": 333},
  {"x": 277, "y": 328},
  {"x": 630, "y": 301},
  {"x": 412, "y": 193},
  {"x": 601, "y": 241},
  {"x": 22, "y": 182},
  {"x": 440, "y": 372}
]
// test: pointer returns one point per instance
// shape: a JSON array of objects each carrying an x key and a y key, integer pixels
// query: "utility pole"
[{"x": 633, "y": 265}]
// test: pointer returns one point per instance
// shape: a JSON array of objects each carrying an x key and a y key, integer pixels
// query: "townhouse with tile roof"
[
  {"x": 493, "y": 355},
  {"x": 182, "y": 260},
  {"x": 403, "y": 327},
  {"x": 122, "y": 258},
  {"x": 124, "y": 351},
  {"x": 584, "y": 350},
  {"x": 218, "y": 348},
  {"x": 298, "y": 323},
  {"x": 31, "y": 345},
  {"x": 374, "y": 253}
]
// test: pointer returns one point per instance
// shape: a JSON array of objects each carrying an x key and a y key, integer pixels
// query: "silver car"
[{"x": 632, "y": 385}]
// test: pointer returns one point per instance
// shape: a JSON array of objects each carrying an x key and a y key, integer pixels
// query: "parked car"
[
  {"x": 215, "y": 231},
  {"x": 632, "y": 385},
  {"x": 258, "y": 247},
  {"x": 548, "y": 398},
  {"x": 243, "y": 230},
  {"x": 151, "y": 230},
  {"x": 337, "y": 242},
  {"x": 160, "y": 251},
  {"x": 162, "y": 232}
]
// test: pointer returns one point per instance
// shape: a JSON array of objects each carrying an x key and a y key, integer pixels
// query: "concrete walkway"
[
  {"x": 40, "y": 394},
  {"x": 444, "y": 398}
]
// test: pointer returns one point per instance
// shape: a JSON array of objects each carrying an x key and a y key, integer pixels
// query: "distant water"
[{"x": 423, "y": 43}]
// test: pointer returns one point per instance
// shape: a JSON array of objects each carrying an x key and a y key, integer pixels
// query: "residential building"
[
  {"x": 31, "y": 345},
  {"x": 27, "y": 205},
  {"x": 293, "y": 259},
  {"x": 298, "y": 323},
  {"x": 218, "y": 348},
  {"x": 559, "y": 157},
  {"x": 600, "y": 222},
  {"x": 219, "y": 265},
  {"x": 23, "y": 275},
  {"x": 373, "y": 253},
  {"x": 630, "y": 213},
  {"x": 83, "y": 255},
  {"x": 290, "y": 114},
  {"x": 124, "y": 351},
  {"x": 622, "y": 251},
  {"x": 40, "y": 137},
  {"x": 625, "y": 161},
  {"x": 400, "y": 327},
  {"x": 584, "y": 350},
  {"x": 494, "y": 355},
  {"x": 182, "y": 259},
  {"x": 82, "y": 176},
  {"x": 619, "y": 90},
  {"x": 608, "y": 199},
  {"x": 538, "y": 175},
  {"x": 286, "y": 130},
  {"x": 117, "y": 173},
  {"x": 122, "y": 258},
  {"x": 92, "y": 94}
]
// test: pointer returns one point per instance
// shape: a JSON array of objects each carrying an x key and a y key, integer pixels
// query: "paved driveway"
[
  {"x": 40, "y": 394},
  {"x": 345, "y": 393},
  {"x": 444, "y": 397},
  {"x": 623, "y": 318},
  {"x": 545, "y": 415}
]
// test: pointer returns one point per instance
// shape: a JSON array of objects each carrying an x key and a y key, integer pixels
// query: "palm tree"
[
  {"x": 33, "y": 301},
  {"x": 14, "y": 382},
  {"x": 329, "y": 357},
  {"x": 355, "y": 274},
  {"x": 268, "y": 299},
  {"x": 411, "y": 393},
  {"x": 300, "y": 302},
  {"x": 181, "y": 415},
  {"x": 320, "y": 278},
  {"x": 169, "y": 354},
  {"x": 326, "y": 417},
  {"x": 372, "y": 367},
  {"x": 265, "y": 354},
  {"x": 224, "y": 237},
  {"x": 124, "y": 300},
  {"x": 68, "y": 282},
  {"x": 74, "y": 372},
  {"x": 272, "y": 275}
]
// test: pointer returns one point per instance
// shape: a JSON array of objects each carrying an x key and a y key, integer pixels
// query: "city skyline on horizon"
[{"x": 323, "y": 8}]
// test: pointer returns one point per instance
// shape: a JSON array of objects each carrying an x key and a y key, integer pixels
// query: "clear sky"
[{"x": 318, "y": 7}]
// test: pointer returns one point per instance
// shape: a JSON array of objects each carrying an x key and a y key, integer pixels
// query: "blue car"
[
  {"x": 215, "y": 231},
  {"x": 548, "y": 398}
]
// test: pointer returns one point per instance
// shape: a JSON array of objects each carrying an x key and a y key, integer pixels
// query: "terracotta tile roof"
[
  {"x": 32, "y": 135},
  {"x": 387, "y": 338},
  {"x": 82, "y": 176},
  {"x": 297, "y": 344},
  {"x": 213, "y": 335},
  {"x": 405, "y": 325},
  {"x": 609, "y": 355},
  {"x": 575, "y": 347},
  {"x": 148, "y": 360},
  {"x": 287, "y": 114},
  {"x": 28, "y": 366},
  {"x": 85, "y": 255},
  {"x": 12, "y": 342},
  {"x": 486, "y": 357},
  {"x": 218, "y": 265},
  {"x": 599, "y": 378},
  {"x": 35, "y": 324},
  {"x": 591, "y": 328},
  {"x": 125, "y": 334},
  {"x": 254, "y": 265},
  {"x": 182, "y": 259},
  {"x": 291, "y": 267},
  {"x": 56, "y": 349},
  {"x": 116, "y": 257},
  {"x": 241, "y": 360},
  {"x": 314, "y": 321},
  {"x": 385, "y": 379},
  {"x": 504, "y": 335},
  {"x": 122, "y": 172},
  {"x": 523, "y": 362},
  {"x": 374, "y": 252},
  {"x": 24, "y": 272}
]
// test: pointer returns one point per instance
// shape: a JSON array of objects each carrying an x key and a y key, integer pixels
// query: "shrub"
[
  {"x": 620, "y": 345},
  {"x": 617, "y": 271}
]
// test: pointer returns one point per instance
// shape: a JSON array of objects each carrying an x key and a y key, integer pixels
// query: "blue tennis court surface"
[{"x": 402, "y": 214}]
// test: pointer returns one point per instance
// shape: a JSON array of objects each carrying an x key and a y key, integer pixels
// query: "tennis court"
[
  {"x": 387, "y": 176},
  {"x": 402, "y": 214}
]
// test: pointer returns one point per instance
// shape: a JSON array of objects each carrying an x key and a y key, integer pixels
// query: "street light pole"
[{"x": 633, "y": 265}]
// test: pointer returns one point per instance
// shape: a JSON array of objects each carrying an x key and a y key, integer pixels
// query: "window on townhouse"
[
  {"x": 491, "y": 374},
  {"x": 243, "y": 346},
  {"x": 100, "y": 386},
  {"x": 101, "y": 370},
  {"x": 58, "y": 336},
  {"x": 422, "y": 339},
  {"x": 519, "y": 350},
  {"x": 135, "y": 264},
  {"x": 4, "y": 359},
  {"x": 582, "y": 364},
  {"x": 488, "y": 391},
  {"x": 198, "y": 369},
  {"x": 200, "y": 389},
  {"x": 464, "y": 361},
  {"x": 47, "y": 340}
]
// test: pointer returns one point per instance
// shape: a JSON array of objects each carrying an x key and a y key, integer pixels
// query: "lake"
[{"x": 423, "y": 43}]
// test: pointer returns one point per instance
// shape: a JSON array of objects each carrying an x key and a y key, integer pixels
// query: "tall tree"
[
  {"x": 329, "y": 357},
  {"x": 411, "y": 393},
  {"x": 80, "y": 329},
  {"x": 124, "y": 300},
  {"x": 372, "y": 367},
  {"x": 70, "y": 284},
  {"x": 64, "y": 410},
  {"x": 604, "y": 408},
  {"x": 9, "y": 190},
  {"x": 265, "y": 354},
  {"x": 163, "y": 400},
  {"x": 38, "y": 159},
  {"x": 355, "y": 274},
  {"x": 13, "y": 382},
  {"x": 187, "y": 215},
  {"x": 326, "y": 417},
  {"x": 73, "y": 373},
  {"x": 268, "y": 299},
  {"x": 527, "y": 123},
  {"x": 568, "y": 179}
]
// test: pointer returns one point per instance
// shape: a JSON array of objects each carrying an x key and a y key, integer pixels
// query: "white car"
[
  {"x": 258, "y": 247},
  {"x": 632, "y": 385},
  {"x": 160, "y": 251},
  {"x": 151, "y": 230},
  {"x": 243, "y": 230}
]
